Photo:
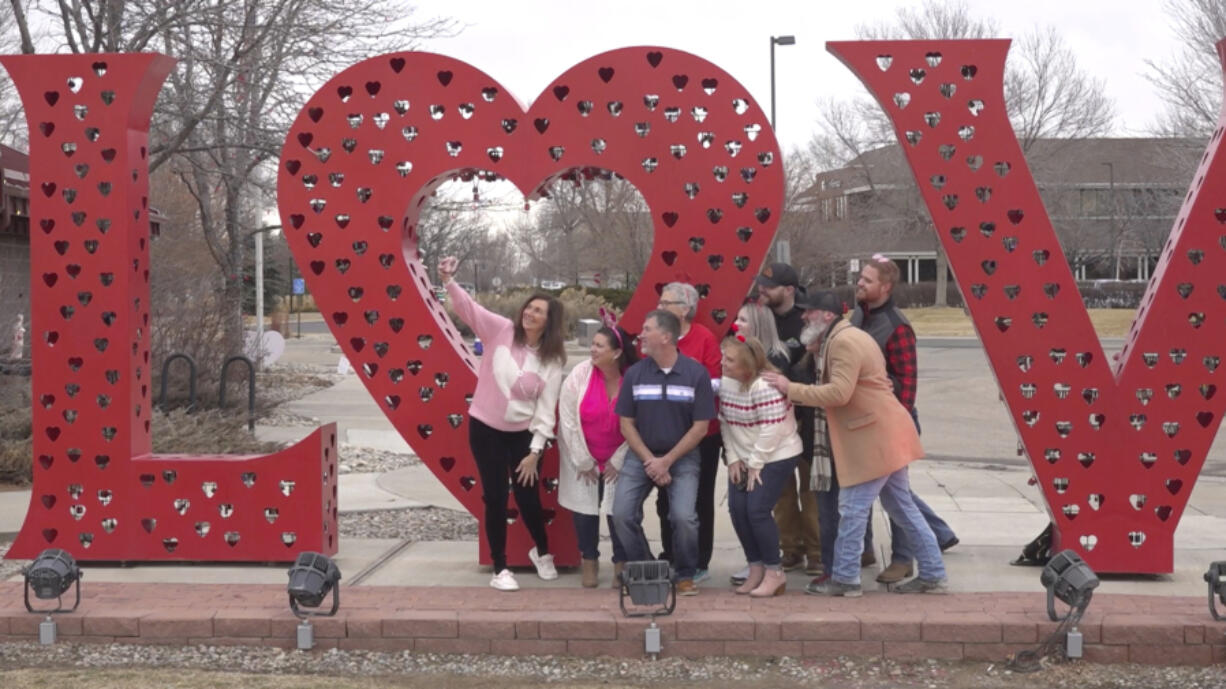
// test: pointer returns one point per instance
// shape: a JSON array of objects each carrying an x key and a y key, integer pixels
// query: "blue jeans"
[
  {"x": 854, "y": 504},
  {"x": 900, "y": 547},
  {"x": 751, "y": 513},
  {"x": 633, "y": 485},
  {"x": 587, "y": 531}
]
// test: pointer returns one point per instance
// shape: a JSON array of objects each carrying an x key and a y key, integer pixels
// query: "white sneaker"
[
  {"x": 504, "y": 581},
  {"x": 544, "y": 565}
]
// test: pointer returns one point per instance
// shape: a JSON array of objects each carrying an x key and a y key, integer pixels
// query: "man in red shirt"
[{"x": 699, "y": 344}]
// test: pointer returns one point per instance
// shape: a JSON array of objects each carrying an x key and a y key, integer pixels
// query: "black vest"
[{"x": 881, "y": 321}]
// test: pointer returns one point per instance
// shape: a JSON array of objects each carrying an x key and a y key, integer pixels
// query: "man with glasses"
[{"x": 699, "y": 344}]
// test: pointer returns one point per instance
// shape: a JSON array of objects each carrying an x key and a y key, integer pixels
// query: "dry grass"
[{"x": 951, "y": 322}]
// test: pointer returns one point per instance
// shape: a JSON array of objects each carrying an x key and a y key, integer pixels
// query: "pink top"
[
  {"x": 601, "y": 425},
  {"x": 515, "y": 391}
]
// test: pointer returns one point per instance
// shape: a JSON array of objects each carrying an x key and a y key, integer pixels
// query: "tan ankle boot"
[
  {"x": 896, "y": 572},
  {"x": 590, "y": 570},
  {"x": 756, "y": 572},
  {"x": 617, "y": 574},
  {"x": 774, "y": 583}
]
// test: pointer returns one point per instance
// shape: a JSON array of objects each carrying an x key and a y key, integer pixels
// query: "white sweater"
[
  {"x": 757, "y": 423},
  {"x": 574, "y": 493}
]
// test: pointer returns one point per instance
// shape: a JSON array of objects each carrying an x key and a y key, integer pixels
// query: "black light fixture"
[
  {"x": 311, "y": 578},
  {"x": 1070, "y": 579},
  {"x": 649, "y": 585},
  {"x": 1216, "y": 577},
  {"x": 50, "y": 576}
]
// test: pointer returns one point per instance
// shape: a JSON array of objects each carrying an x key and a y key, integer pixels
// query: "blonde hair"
[
  {"x": 762, "y": 324},
  {"x": 749, "y": 351}
]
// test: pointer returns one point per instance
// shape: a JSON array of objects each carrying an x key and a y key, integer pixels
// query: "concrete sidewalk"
[{"x": 976, "y": 482}]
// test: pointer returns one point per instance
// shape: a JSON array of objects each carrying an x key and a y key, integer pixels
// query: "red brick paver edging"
[{"x": 972, "y": 626}]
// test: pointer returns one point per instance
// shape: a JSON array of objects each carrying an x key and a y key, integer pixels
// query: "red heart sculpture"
[{"x": 378, "y": 138}]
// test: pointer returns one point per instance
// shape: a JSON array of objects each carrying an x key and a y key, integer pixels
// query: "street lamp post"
[
  {"x": 1117, "y": 240},
  {"x": 782, "y": 249},
  {"x": 777, "y": 40}
]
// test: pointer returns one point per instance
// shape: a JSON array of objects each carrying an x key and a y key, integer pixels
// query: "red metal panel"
[
  {"x": 378, "y": 138},
  {"x": 1116, "y": 448},
  {"x": 98, "y": 492}
]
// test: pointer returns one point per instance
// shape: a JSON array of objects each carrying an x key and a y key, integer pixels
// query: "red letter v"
[{"x": 1116, "y": 451}]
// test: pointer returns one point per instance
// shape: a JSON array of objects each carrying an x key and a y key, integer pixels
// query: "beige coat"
[{"x": 871, "y": 433}]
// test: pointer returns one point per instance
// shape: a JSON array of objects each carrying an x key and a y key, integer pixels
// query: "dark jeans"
[
  {"x": 708, "y": 456},
  {"x": 497, "y": 453},
  {"x": 587, "y": 530},
  {"x": 751, "y": 513},
  {"x": 828, "y": 520}
]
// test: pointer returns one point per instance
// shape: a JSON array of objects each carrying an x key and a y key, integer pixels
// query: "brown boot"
[
  {"x": 774, "y": 583},
  {"x": 896, "y": 572},
  {"x": 756, "y": 572},
  {"x": 590, "y": 569},
  {"x": 867, "y": 559},
  {"x": 617, "y": 574},
  {"x": 791, "y": 561}
]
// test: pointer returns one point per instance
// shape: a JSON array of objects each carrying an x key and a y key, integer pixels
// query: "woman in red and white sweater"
[
  {"x": 761, "y": 447},
  {"x": 513, "y": 413}
]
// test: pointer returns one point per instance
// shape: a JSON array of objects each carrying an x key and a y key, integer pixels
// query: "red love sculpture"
[
  {"x": 377, "y": 139},
  {"x": 1116, "y": 450},
  {"x": 98, "y": 491}
]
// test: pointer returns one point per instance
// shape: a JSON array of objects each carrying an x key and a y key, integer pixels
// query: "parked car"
[{"x": 553, "y": 284}]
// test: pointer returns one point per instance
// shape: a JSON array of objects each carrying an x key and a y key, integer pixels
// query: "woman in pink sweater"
[{"x": 513, "y": 413}]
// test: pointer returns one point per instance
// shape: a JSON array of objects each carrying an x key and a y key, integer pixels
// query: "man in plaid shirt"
[{"x": 877, "y": 315}]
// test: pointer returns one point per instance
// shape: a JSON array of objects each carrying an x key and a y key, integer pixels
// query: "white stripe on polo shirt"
[
  {"x": 679, "y": 393},
  {"x": 648, "y": 392}
]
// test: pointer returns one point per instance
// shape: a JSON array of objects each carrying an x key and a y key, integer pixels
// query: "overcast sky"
[{"x": 525, "y": 44}]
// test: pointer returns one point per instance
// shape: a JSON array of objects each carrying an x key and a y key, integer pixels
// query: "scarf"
[{"x": 821, "y": 477}]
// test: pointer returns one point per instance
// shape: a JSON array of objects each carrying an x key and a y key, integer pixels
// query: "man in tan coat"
[{"x": 873, "y": 440}]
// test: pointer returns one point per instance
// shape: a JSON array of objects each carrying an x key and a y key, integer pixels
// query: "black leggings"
[{"x": 497, "y": 454}]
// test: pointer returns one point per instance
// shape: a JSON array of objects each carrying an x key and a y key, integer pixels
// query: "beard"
[{"x": 813, "y": 332}]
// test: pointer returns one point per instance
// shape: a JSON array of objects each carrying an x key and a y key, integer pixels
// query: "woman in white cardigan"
[
  {"x": 591, "y": 445},
  {"x": 761, "y": 447}
]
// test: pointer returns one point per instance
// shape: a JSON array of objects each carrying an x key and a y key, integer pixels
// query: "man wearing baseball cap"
[
  {"x": 872, "y": 439},
  {"x": 796, "y": 512}
]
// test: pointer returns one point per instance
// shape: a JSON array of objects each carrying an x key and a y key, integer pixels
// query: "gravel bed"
[
  {"x": 8, "y": 568},
  {"x": 417, "y": 525},
  {"x": 765, "y": 672},
  {"x": 365, "y": 460}
]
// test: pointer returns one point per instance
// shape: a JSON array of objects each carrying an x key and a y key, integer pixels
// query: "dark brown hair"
[
  {"x": 553, "y": 343},
  {"x": 620, "y": 339}
]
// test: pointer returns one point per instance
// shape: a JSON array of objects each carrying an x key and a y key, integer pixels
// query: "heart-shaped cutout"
[{"x": 561, "y": 139}]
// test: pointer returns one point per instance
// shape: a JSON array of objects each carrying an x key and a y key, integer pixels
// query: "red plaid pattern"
[{"x": 901, "y": 364}]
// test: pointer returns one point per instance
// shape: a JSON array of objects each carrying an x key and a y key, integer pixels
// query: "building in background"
[
  {"x": 15, "y": 237},
  {"x": 1112, "y": 202}
]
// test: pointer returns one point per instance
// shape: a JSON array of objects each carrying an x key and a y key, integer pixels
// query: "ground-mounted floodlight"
[
  {"x": 1068, "y": 578},
  {"x": 650, "y": 587},
  {"x": 50, "y": 576},
  {"x": 1216, "y": 577},
  {"x": 310, "y": 579}
]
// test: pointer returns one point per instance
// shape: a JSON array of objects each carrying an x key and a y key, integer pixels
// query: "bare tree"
[
  {"x": 1046, "y": 95},
  {"x": 245, "y": 67},
  {"x": 1190, "y": 82}
]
